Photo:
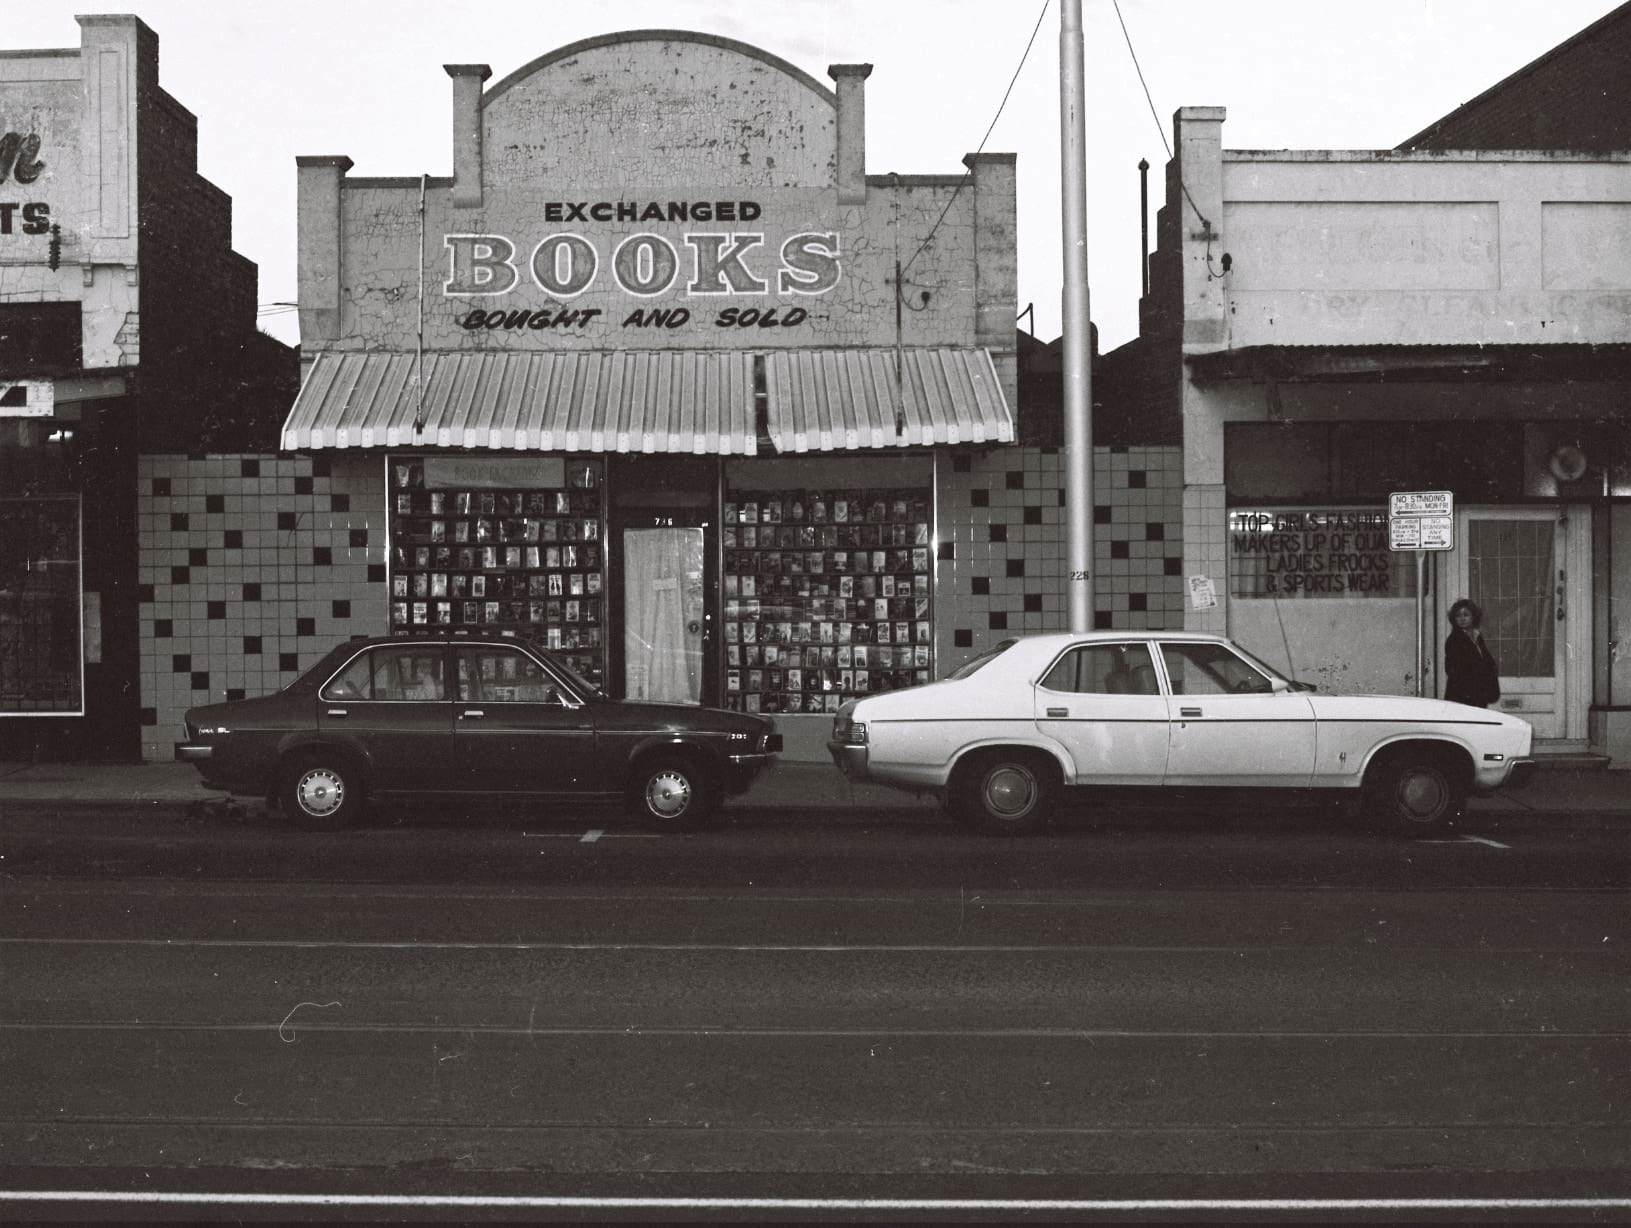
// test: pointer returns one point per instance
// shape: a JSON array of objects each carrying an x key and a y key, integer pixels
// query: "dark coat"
[{"x": 1471, "y": 675}]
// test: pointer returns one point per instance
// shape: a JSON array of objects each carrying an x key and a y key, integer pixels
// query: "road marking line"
[
  {"x": 822, "y": 1204},
  {"x": 590, "y": 836},
  {"x": 1494, "y": 844}
]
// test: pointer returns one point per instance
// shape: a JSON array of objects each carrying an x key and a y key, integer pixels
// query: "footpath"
[{"x": 1554, "y": 796}]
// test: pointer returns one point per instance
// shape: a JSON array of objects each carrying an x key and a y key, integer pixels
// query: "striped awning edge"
[
  {"x": 838, "y": 400},
  {"x": 584, "y": 401}
]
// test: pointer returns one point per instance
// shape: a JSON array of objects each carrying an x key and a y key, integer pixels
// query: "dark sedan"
[{"x": 465, "y": 716}]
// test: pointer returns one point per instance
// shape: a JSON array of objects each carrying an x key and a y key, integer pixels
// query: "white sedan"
[{"x": 1000, "y": 736}]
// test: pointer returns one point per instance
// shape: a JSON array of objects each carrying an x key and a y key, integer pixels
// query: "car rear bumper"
[
  {"x": 849, "y": 759},
  {"x": 1518, "y": 772},
  {"x": 741, "y": 769}
]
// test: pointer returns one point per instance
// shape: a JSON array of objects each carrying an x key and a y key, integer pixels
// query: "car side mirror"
[{"x": 1280, "y": 685}]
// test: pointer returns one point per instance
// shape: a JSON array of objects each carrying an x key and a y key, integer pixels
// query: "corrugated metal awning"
[
  {"x": 586, "y": 401},
  {"x": 835, "y": 400}
]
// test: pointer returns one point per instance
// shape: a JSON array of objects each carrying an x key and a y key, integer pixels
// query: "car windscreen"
[{"x": 980, "y": 662}]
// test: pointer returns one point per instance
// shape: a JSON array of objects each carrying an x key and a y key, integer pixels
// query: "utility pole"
[{"x": 1077, "y": 322}]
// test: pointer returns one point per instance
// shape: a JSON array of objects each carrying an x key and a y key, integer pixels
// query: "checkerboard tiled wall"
[
  {"x": 1003, "y": 552},
  {"x": 252, "y": 567}
]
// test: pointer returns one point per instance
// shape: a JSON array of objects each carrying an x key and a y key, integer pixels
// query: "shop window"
[
  {"x": 500, "y": 545},
  {"x": 40, "y": 621},
  {"x": 827, "y": 595}
]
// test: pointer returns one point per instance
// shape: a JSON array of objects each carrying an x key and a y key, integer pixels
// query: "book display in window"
[
  {"x": 826, "y": 597},
  {"x": 525, "y": 562}
]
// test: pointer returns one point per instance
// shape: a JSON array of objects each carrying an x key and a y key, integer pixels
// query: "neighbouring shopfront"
[{"x": 676, "y": 397}]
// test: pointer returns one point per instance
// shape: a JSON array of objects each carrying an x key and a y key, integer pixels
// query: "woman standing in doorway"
[{"x": 1471, "y": 675}]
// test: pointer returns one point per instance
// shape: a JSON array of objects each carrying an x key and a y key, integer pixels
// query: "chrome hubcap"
[
  {"x": 321, "y": 792},
  {"x": 668, "y": 794},
  {"x": 1010, "y": 790},
  {"x": 1423, "y": 795}
]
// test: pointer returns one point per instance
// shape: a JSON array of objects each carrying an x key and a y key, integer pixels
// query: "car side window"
[
  {"x": 496, "y": 675},
  {"x": 1211, "y": 669},
  {"x": 411, "y": 673},
  {"x": 1104, "y": 669},
  {"x": 353, "y": 682}
]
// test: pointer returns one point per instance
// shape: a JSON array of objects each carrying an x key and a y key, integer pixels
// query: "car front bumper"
[
  {"x": 849, "y": 759},
  {"x": 193, "y": 752}
]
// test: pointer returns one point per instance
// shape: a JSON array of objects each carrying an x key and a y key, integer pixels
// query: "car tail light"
[{"x": 851, "y": 732}]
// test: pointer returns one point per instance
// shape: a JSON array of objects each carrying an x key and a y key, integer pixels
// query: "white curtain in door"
[
  {"x": 662, "y": 603},
  {"x": 1511, "y": 575}
]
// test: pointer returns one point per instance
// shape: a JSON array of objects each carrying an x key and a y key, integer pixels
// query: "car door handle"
[
  {"x": 1058, "y": 711},
  {"x": 470, "y": 714},
  {"x": 1189, "y": 712},
  {"x": 337, "y": 712}
]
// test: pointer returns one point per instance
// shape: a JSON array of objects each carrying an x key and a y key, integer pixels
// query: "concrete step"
[{"x": 1570, "y": 761}]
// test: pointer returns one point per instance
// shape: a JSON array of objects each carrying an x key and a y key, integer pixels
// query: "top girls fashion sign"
[{"x": 721, "y": 264}]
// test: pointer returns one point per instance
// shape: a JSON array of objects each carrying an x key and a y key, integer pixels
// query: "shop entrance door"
[
  {"x": 1512, "y": 563},
  {"x": 663, "y": 614}
]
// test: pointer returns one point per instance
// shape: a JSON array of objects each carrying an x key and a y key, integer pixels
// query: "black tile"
[
  {"x": 163, "y": 628},
  {"x": 320, "y": 467},
  {"x": 252, "y": 645},
  {"x": 234, "y": 693},
  {"x": 305, "y": 626},
  {"x": 981, "y": 585},
  {"x": 962, "y": 637},
  {"x": 233, "y": 539},
  {"x": 1015, "y": 479},
  {"x": 180, "y": 575},
  {"x": 1118, "y": 550},
  {"x": 161, "y": 486},
  {"x": 321, "y": 556},
  {"x": 339, "y": 503},
  {"x": 359, "y": 539},
  {"x": 999, "y": 532},
  {"x": 144, "y": 592},
  {"x": 1016, "y": 567},
  {"x": 1101, "y": 620},
  {"x": 1172, "y": 567},
  {"x": 1033, "y": 515},
  {"x": 288, "y": 662},
  {"x": 216, "y": 610},
  {"x": 1137, "y": 601},
  {"x": 1155, "y": 531},
  {"x": 1101, "y": 513},
  {"x": 1033, "y": 603},
  {"x": 980, "y": 497},
  {"x": 252, "y": 592},
  {"x": 286, "y": 520},
  {"x": 201, "y": 680},
  {"x": 998, "y": 620},
  {"x": 962, "y": 462},
  {"x": 342, "y": 609},
  {"x": 181, "y": 663},
  {"x": 1136, "y": 479},
  {"x": 178, "y": 522},
  {"x": 198, "y": 556},
  {"x": 249, "y": 469},
  {"x": 150, "y": 716},
  {"x": 1062, "y": 497},
  {"x": 302, "y": 486},
  {"x": 215, "y": 503},
  {"x": 948, "y": 550},
  {"x": 376, "y": 573}
]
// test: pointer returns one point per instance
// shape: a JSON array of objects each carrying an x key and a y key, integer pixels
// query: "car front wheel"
[
  {"x": 1415, "y": 795},
  {"x": 1006, "y": 794},
  {"x": 321, "y": 792},
  {"x": 672, "y": 793}
]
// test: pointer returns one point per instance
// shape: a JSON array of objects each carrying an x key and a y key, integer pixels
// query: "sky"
[{"x": 271, "y": 80}]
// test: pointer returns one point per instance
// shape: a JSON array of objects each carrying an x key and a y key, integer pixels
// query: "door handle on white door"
[
  {"x": 1189, "y": 712},
  {"x": 1058, "y": 711}
]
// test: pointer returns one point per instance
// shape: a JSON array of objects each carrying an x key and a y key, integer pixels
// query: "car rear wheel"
[
  {"x": 1415, "y": 793},
  {"x": 321, "y": 792},
  {"x": 1006, "y": 793},
  {"x": 673, "y": 793}
]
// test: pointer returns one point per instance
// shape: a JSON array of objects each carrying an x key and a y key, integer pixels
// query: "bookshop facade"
[{"x": 660, "y": 377}]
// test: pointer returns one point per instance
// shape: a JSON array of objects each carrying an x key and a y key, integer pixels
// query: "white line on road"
[
  {"x": 1494, "y": 844},
  {"x": 494, "y": 1201},
  {"x": 592, "y": 835}
]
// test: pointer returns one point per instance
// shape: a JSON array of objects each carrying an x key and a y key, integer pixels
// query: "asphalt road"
[{"x": 1174, "y": 1017}]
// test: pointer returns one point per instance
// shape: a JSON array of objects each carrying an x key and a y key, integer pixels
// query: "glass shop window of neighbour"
[
  {"x": 40, "y": 620},
  {"x": 827, "y": 595}
]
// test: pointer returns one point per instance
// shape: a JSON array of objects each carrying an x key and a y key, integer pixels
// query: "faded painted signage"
[{"x": 1314, "y": 552}]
